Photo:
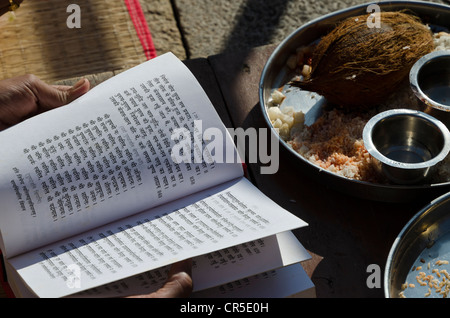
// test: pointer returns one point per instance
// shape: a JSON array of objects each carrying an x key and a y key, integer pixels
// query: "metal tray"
[
  {"x": 275, "y": 74},
  {"x": 423, "y": 241}
]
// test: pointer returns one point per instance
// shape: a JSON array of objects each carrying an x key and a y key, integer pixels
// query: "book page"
[
  {"x": 285, "y": 282},
  {"x": 111, "y": 153},
  {"x": 214, "y": 269},
  {"x": 247, "y": 259},
  {"x": 215, "y": 219}
]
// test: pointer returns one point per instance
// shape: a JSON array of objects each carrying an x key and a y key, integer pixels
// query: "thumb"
[
  {"x": 80, "y": 88},
  {"x": 179, "y": 283},
  {"x": 49, "y": 96}
]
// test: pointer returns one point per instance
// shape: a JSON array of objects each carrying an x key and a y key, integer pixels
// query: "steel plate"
[
  {"x": 275, "y": 74},
  {"x": 423, "y": 241}
]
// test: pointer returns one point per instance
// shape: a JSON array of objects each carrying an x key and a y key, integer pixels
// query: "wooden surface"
[{"x": 346, "y": 234}]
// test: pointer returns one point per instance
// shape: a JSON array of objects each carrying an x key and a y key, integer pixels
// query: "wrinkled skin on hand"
[{"x": 25, "y": 96}]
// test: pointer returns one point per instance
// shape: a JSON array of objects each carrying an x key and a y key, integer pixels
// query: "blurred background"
[{"x": 112, "y": 35}]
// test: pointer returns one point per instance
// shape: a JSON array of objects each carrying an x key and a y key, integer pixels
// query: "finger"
[
  {"x": 49, "y": 96},
  {"x": 62, "y": 87},
  {"x": 79, "y": 89},
  {"x": 25, "y": 96},
  {"x": 182, "y": 266},
  {"x": 178, "y": 285}
]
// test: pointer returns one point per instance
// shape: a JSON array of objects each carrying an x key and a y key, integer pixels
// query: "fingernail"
[{"x": 78, "y": 84}]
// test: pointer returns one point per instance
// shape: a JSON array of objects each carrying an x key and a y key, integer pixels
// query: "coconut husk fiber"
[{"x": 356, "y": 66}]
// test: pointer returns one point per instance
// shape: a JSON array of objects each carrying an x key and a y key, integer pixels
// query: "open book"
[{"x": 125, "y": 181}]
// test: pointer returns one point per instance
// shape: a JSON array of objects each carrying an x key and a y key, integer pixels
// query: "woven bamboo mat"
[{"x": 38, "y": 40}]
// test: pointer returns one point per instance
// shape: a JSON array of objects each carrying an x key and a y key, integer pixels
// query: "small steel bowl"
[
  {"x": 406, "y": 143},
  {"x": 430, "y": 80}
]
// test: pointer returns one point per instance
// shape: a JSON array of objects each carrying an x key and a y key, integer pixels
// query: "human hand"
[
  {"x": 6, "y": 4},
  {"x": 25, "y": 96},
  {"x": 179, "y": 283}
]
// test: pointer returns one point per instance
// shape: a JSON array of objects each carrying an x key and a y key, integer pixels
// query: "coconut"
[{"x": 356, "y": 66}]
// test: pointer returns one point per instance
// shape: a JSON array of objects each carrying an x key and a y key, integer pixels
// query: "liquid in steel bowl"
[
  {"x": 430, "y": 80},
  {"x": 407, "y": 143}
]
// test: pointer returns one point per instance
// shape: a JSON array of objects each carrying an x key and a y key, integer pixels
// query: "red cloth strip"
[
  {"x": 140, "y": 24},
  {"x": 7, "y": 289},
  {"x": 3, "y": 279}
]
